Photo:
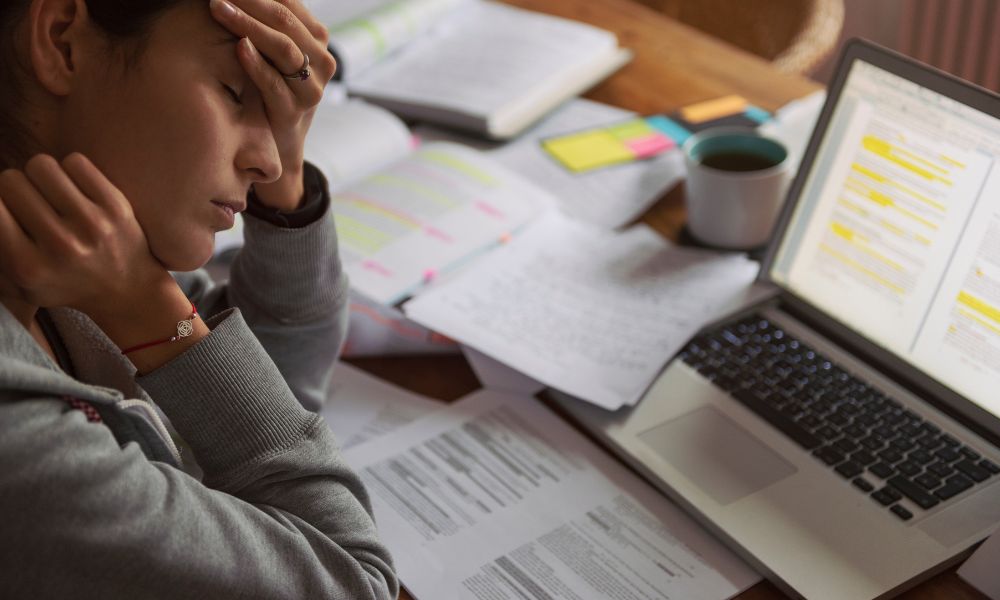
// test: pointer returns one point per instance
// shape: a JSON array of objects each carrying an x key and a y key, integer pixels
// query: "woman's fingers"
[
  {"x": 319, "y": 32},
  {"x": 49, "y": 178},
  {"x": 271, "y": 84},
  {"x": 93, "y": 184},
  {"x": 31, "y": 210},
  {"x": 279, "y": 34},
  {"x": 274, "y": 30},
  {"x": 18, "y": 253}
]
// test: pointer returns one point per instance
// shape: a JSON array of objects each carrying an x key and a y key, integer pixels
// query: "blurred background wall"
[
  {"x": 959, "y": 36},
  {"x": 805, "y": 36}
]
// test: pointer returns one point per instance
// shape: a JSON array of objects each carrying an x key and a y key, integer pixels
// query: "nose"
[{"x": 258, "y": 158}]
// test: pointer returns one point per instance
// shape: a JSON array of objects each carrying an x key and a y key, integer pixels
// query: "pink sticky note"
[{"x": 650, "y": 145}]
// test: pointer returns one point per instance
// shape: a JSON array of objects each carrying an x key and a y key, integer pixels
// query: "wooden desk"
[{"x": 674, "y": 65}]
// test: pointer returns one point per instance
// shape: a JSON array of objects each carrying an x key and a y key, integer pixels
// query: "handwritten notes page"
[
  {"x": 496, "y": 497},
  {"x": 440, "y": 206},
  {"x": 592, "y": 313},
  {"x": 493, "y": 374}
]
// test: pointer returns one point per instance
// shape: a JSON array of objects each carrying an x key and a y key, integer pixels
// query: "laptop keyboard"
[{"x": 885, "y": 450}]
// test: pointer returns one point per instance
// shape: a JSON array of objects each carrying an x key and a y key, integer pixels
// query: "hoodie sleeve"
[
  {"x": 278, "y": 515},
  {"x": 289, "y": 285}
]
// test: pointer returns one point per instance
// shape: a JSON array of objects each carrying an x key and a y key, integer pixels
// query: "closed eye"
[{"x": 233, "y": 95}]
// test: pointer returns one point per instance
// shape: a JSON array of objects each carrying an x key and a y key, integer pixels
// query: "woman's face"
[{"x": 181, "y": 132}]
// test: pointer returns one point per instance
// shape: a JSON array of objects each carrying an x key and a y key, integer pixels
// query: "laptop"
[{"x": 843, "y": 434}]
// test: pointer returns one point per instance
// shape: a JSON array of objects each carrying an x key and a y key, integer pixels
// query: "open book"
[
  {"x": 423, "y": 216},
  {"x": 475, "y": 65}
]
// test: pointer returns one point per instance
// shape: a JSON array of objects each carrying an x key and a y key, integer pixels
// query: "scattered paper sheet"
[
  {"x": 593, "y": 313},
  {"x": 362, "y": 407},
  {"x": 378, "y": 330},
  {"x": 793, "y": 124},
  {"x": 981, "y": 570},
  {"x": 495, "y": 375},
  {"x": 495, "y": 497}
]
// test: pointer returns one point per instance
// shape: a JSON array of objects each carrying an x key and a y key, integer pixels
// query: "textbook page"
[
  {"x": 496, "y": 497},
  {"x": 441, "y": 206},
  {"x": 364, "y": 34},
  {"x": 362, "y": 407},
  {"x": 491, "y": 68},
  {"x": 609, "y": 197},
  {"x": 349, "y": 141},
  {"x": 593, "y": 313},
  {"x": 334, "y": 12}
]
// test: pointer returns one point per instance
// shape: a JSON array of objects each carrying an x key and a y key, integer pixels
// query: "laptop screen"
[{"x": 896, "y": 232}]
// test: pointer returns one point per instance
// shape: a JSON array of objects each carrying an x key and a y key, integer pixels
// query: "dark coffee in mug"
[{"x": 738, "y": 161}]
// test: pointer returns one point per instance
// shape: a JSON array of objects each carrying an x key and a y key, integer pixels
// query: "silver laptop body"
[{"x": 886, "y": 264}]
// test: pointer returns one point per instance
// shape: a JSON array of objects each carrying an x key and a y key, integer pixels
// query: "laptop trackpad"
[{"x": 716, "y": 454}]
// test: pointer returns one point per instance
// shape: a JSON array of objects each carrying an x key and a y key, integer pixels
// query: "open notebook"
[{"x": 475, "y": 65}]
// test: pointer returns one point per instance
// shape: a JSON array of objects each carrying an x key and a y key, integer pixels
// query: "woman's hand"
[
  {"x": 277, "y": 36},
  {"x": 68, "y": 237}
]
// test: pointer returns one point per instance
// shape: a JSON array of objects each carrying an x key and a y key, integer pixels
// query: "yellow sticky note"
[
  {"x": 713, "y": 109},
  {"x": 588, "y": 150}
]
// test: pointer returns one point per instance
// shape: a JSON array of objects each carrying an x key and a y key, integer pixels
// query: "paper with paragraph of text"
[{"x": 495, "y": 497}]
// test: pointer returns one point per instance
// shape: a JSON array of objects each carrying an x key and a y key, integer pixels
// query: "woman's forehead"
[{"x": 191, "y": 24}]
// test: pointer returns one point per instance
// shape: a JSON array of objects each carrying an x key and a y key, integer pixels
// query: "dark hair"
[{"x": 126, "y": 24}]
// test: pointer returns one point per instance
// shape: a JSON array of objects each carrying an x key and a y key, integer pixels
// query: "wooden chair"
[{"x": 795, "y": 35}]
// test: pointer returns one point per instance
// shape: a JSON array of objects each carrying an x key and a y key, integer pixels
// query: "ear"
[{"x": 56, "y": 37}]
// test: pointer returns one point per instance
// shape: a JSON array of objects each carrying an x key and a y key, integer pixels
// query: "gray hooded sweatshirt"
[{"x": 101, "y": 509}]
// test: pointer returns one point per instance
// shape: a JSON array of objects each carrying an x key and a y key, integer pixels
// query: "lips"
[
  {"x": 233, "y": 205},
  {"x": 226, "y": 211}
]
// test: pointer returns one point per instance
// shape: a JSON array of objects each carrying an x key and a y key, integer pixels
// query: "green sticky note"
[
  {"x": 630, "y": 130},
  {"x": 588, "y": 150}
]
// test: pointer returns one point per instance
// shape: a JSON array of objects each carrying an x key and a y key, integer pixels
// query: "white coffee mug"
[{"x": 736, "y": 184}]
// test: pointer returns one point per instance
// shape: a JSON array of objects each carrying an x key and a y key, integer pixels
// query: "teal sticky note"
[
  {"x": 757, "y": 114},
  {"x": 670, "y": 128}
]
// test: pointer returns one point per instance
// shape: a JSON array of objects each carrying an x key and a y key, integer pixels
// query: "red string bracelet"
[{"x": 184, "y": 329}]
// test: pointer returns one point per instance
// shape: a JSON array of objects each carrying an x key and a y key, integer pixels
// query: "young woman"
[{"x": 130, "y": 133}]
